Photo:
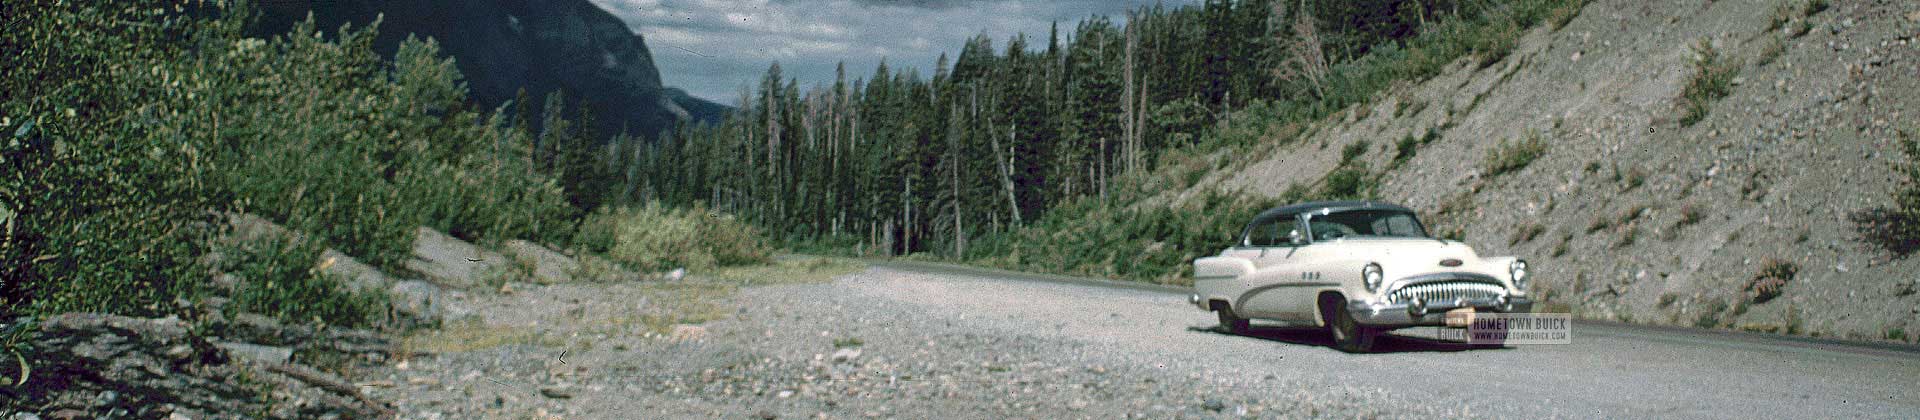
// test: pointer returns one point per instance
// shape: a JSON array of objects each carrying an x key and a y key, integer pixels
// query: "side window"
[
  {"x": 1269, "y": 233},
  {"x": 1261, "y": 233}
]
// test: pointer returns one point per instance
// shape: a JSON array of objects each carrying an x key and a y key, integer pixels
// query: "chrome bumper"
[{"x": 1413, "y": 314}]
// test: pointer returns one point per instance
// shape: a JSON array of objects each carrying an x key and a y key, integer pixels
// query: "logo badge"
[{"x": 1450, "y": 262}]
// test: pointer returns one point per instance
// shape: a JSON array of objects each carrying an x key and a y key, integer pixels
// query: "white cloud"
[{"x": 713, "y": 47}]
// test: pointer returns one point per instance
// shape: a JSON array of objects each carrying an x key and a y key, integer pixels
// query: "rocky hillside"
[
  {"x": 503, "y": 46},
  {"x": 1637, "y": 208}
]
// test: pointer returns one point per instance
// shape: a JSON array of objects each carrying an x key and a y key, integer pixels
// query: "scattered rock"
[
  {"x": 418, "y": 299},
  {"x": 257, "y": 353},
  {"x": 549, "y": 266},
  {"x": 845, "y": 355},
  {"x": 1214, "y": 405},
  {"x": 451, "y": 262},
  {"x": 359, "y": 276},
  {"x": 684, "y": 332},
  {"x": 556, "y": 392},
  {"x": 123, "y": 367}
]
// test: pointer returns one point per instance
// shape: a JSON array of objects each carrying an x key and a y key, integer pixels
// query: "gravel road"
[{"x": 923, "y": 341}]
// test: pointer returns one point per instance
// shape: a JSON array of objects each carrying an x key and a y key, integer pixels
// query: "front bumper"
[{"x": 1413, "y": 314}]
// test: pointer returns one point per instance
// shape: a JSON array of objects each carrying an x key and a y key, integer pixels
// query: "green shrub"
[
  {"x": 1512, "y": 156},
  {"x": 1351, "y": 182},
  {"x": 1525, "y": 233},
  {"x": 1712, "y": 79},
  {"x": 1771, "y": 280},
  {"x": 1405, "y": 149},
  {"x": 126, "y": 122},
  {"x": 280, "y": 279},
  {"x": 1353, "y": 151},
  {"x": 1896, "y": 228},
  {"x": 656, "y": 238}
]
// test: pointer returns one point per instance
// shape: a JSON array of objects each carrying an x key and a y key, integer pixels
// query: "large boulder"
[
  {"x": 451, "y": 262},
  {"x": 548, "y": 266},
  {"x": 250, "y": 228},
  {"x": 112, "y": 366},
  {"x": 359, "y": 276}
]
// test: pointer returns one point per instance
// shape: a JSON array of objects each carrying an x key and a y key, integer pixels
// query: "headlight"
[
  {"x": 1519, "y": 271},
  {"x": 1371, "y": 273}
]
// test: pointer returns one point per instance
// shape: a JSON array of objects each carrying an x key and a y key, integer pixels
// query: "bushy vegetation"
[
  {"x": 1711, "y": 79},
  {"x": 1511, "y": 156},
  {"x": 1896, "y": 228},
  {"x": 652, "y": 237},
  {"x": 279, "y": 278},
  {"x": 1771, "y": 280},
  {"x": 1146, "y": 243},
  {"x": 129, "y": 125}
]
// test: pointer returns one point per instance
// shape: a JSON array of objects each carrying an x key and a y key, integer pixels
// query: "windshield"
[{"x": 1366, "y": 223}]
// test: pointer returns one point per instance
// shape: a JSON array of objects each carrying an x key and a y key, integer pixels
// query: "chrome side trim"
[{"x": 1241, "y": 302}]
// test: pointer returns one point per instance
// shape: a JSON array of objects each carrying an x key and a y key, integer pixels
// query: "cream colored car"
[{"x": 1358, "y": 268}]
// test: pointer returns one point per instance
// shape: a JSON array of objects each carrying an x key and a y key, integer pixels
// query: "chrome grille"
[{"x": 1446, "y": 292}]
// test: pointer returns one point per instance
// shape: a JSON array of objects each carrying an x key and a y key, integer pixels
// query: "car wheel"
[
  {"x": 1233, "y": 324},
  {"x": 1348, "y": 335}
]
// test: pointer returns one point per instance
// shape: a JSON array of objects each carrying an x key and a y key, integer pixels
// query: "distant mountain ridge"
[{"x": 503, "y": 46}]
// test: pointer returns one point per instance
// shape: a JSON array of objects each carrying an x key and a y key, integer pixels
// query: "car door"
[{"x": 1278, "y": 262}]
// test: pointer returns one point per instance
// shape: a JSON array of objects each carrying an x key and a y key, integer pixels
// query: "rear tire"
[
  {"x": 1348, "y": 335},
  {"x": 1233, "y": 324}
]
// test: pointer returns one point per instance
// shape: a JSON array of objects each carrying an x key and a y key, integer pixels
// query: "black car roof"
[{"x": 1294, "y": 209}]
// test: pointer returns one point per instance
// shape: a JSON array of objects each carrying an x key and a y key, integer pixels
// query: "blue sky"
[{"x": 713, "y": 47}]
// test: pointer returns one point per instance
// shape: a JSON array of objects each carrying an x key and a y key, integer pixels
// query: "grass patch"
[
  {"x": 653, "y": 238},
  {"x": 1628, "y": 237},
  {"x": 1353, "y": 151},
  {"x": 1525, "y": 233},
  {"x": 1711, "y": 79},
  {"x": 1350, "y": 182},
  {"x": 1513, "y": 156},
  {"x": 1559, "y": 16},
  {"x": 1772, "y": 50},
  {"x": 846, "y": 342},
  {"x": 1771, "y": 280},
  {"x": 788, "y": 270},
  {"x": 1896, "y": 228}
]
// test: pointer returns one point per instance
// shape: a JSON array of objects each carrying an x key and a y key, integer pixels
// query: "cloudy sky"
[{"x": 713, "y": 47}]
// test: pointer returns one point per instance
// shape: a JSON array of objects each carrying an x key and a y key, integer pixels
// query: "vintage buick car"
[{"x": 1358, "y": 268}]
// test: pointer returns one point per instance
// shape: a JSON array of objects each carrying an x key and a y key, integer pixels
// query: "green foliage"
[
  {"x": 1405, "y": 149},
  {"x": 127, "y": 122},
  {"x": 99, "y": 203},
  {"x": 1896, "y": 228},
  {"x": 1712, "y": 79},
  {"x": 1513, "y": 156},
  {"x": 986, "y": 158},
  {"x": 1353, "y": 151},
  {"x": 1148, "y": 243},
  {"x": 657, "y": 238},
  {"x": 1350, "y": 182},
  {"x": 279, "y": 279}
]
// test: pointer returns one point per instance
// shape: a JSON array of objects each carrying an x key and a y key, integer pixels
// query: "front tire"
[
  {"x": 1348, "y": 335},
  {"x": 1233, "y": 324}
]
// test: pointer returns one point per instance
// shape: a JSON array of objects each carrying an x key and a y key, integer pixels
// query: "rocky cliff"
[
  {"x": 1633, "y": 213},
  {"x": 503, "y": 46}
]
